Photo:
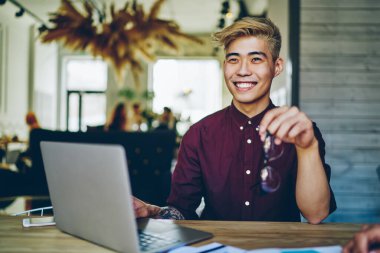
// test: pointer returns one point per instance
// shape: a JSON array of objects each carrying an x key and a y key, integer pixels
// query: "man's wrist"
[{"x": 314, "y": 145}]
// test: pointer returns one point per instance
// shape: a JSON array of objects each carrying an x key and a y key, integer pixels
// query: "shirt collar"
[{"x": 241, "y": 119}]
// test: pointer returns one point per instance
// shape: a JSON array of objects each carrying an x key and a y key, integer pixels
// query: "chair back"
[
  {"x": 98, "y": 128},
  {"x": 149, "y": 157}
]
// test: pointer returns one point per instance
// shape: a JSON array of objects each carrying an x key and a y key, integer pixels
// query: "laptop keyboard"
[{"x": 153, "y": 241}]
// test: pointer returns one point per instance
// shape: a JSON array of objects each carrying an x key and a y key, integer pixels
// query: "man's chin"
[
  {"x": 251, "y": 100},
  {"x": 245, "y": 100}
]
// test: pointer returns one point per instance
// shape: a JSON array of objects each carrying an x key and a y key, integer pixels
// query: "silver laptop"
[{"x": 91, "y": 195}]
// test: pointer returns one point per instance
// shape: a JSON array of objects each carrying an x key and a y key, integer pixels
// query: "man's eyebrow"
[
  {"x": 231, "y": 54},
  {"x": 259, "y": 53},
  {"x": 250, "y": 53}
]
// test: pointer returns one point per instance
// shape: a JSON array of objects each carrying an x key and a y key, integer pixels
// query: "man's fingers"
[
  {"x": 361, "y": 243},
  {"x": 137, "y": 203},
  {"x": 373, "y": 235},
  {"x": 269, "y": 116},
  {"x": 282, "y": 119},
  {"x": 143, "y": 210},
  {"x": 140, "y": 207},
  {"x": 348, "y": 247},
  {"x": 141, "y": 213},
  {"x": 283, "y": 130},
  {"x": 297, "y": 129}
]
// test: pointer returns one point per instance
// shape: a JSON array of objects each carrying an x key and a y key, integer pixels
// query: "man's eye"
[
  {"x": 232, "y": 60},
  {"x": 256, "y": 59}
]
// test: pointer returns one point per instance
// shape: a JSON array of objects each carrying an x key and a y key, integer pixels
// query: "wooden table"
[{"x": 247, "y": 235}]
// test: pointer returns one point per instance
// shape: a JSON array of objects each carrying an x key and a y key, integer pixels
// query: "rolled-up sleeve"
[{"x": 327, "y": 167}]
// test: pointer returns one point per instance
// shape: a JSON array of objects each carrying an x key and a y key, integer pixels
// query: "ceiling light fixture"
[
  {"x": 20, "y": 12},
  {"x": 23, "y": 10}
]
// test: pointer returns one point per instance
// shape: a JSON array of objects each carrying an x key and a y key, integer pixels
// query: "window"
[
  {"x": 85, "y": 84},
  {"x": 191, "y": 88}
]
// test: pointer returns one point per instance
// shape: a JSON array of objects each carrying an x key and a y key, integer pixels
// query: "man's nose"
[{"x": 244, "y": 69}]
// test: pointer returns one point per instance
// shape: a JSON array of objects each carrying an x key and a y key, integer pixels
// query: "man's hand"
[
  {"x": 363, "y": 241},
  {"x": 144, "y": 210},
  {"x": 288, "y": 124}
]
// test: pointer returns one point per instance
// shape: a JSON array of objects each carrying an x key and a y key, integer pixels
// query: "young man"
[{"x": 221, "y": 157}]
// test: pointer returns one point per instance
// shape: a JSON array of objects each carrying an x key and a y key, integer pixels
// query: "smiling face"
[{"x": 248, "y": 72}]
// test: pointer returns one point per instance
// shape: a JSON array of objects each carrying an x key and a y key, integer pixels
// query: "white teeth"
[{"x": 244, "y": 85}]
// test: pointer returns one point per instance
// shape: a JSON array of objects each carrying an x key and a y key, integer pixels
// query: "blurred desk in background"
[
  {"x": 17, "y": 204},
  {"x": 10, "y": 148}
]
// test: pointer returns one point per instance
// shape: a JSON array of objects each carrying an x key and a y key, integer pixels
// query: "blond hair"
[{"x": 262, "y": 28}]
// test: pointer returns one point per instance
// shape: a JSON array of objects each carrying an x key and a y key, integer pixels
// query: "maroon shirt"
[{"x": 220, "y": 159}]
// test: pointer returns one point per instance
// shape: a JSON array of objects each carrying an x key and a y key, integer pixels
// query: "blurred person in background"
[
  {"x": 166, "y": 120},
  {"x": 31, "y": 121},
  {"x": 118, "y": 121},
  {"x": 136, "y": 119},
  {"x": 24, "y": 160}
]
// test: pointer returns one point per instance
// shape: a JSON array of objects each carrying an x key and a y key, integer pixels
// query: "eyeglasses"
[{"x": 270, "y": 177}]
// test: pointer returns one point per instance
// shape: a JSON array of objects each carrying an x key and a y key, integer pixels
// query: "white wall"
[
  {"x": 29, "y": 77},
  {"x": 278, "y": 12},
  {"x": 45, "y": 83},
  {"x": 16, "y": 71}
]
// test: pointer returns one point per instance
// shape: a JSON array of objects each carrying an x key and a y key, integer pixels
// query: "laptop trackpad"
[{"x": 168, "y": 229}]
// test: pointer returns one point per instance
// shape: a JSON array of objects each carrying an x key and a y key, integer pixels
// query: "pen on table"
[{"x": 213, "y": 249}]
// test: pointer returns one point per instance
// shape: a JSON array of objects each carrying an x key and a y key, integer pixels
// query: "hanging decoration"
[{"x": 128, "y": 35}]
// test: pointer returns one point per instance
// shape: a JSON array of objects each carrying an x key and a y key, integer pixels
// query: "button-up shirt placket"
[{"x": 249, "y": 141}]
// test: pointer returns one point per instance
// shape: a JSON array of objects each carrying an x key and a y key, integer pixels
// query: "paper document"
[
  {"x": 327, "y": 249},
  {"x": 209, "y": 248},
  {"x": 221, "y": 248}
]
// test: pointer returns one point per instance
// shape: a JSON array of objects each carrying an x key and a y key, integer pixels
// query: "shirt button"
[
  {"x": 241, "y": 128},
  {"x": 248, "y": 172},
  {"x": 249, "y": 141},
  {"x": 257, "y": 128},
  {"x": 249, "y": 122},
  {"x": 246, "y": 203}
]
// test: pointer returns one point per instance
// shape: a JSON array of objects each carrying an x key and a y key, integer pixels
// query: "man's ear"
[{"x": 278, "y": 66}]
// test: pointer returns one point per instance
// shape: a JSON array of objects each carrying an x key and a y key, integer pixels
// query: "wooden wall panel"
[
  {"x": 351, "y": 156},
  {"x": 340, "y": 91},
  {"x": 339, "y": 78},
  {"x": 359, "y": 171},
  {"x": 340, "y": 47},
  {"x": 358, "y": 203},
  {"x": 345, "y": 4},
  {"x": 344, "y": 63},
  {"x": 340, "y": 15},
  {"x": 321, "y": 32},
  {"x": 341, "y": 125},
  {"x": 353, "y": 140},
  {"x": 344, "y": 109},
  {"x": 364, "y": 187}
]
